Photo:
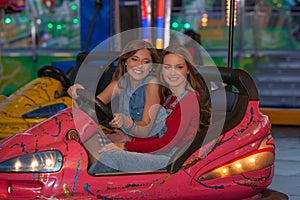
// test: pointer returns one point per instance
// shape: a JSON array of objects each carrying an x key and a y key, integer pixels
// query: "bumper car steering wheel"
[{"x": 94, "y": 107}]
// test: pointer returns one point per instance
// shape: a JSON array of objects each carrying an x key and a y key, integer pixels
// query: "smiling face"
[
  {"x": 139, "y": 65},
  {"x": 174, "y": 72}
]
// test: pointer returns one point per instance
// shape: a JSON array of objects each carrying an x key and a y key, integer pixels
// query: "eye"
[
  {"x": 166, "y": 67},
  {"x": 134, "y": 59},
  {"x": 146, "y": 61}
]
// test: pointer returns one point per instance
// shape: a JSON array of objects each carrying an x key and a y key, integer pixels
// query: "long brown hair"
[
  {"x": 196, "y": 82},
  {"x": 129, "y": 50}
]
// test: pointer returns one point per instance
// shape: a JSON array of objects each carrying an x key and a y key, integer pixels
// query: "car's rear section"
[
  {"x": 240, "y": 162},
  {"x": 34, "y": 102}
]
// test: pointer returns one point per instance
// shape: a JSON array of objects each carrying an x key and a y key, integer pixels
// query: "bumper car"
[
  {"x": 34, "y": 102},
  {"x": 49, "y": 161}
]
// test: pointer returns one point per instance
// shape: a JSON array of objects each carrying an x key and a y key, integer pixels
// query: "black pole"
[
  {"x": 231, "y": 33},
  {"x": 98, "y": 6}
]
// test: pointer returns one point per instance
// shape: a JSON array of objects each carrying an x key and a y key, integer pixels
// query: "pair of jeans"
[{"x": 126, "y": 161}]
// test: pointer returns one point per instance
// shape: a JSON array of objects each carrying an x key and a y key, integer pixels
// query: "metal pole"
[
  {"x": 231, "y": 32},
  {"x": 167, "y": 20},
  {"x": 118, "y": 45},
  {"x": 241, "y": 28},
  {"x": 98, "y": 6}
]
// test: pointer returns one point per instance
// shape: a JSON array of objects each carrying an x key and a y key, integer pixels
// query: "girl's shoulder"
[
  {"x": 192, "y": 95},
  {"x": 114, "y": 83},
  {"x": 153, "y": 80},
  {"x": 114, "y": 86}
]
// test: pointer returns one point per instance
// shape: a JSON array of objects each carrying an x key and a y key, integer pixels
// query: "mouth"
[
  {"x": 138, "y": 71},
  {"x": 173, "y": 78}
]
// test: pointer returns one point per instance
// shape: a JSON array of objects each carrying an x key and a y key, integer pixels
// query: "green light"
[
  {"x": 58, "y": 26},
  {"x": 73, "y": 7},
  {"x": 7, "y": 20},
  {"x": 50, "y": 25},
  {"x": 187, "y": 25},
  {"x": 175, "y": 25},
  {"x": 75, "y": 21}
]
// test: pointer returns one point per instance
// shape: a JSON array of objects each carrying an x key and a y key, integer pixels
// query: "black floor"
[{"x": 287, "y": 162}]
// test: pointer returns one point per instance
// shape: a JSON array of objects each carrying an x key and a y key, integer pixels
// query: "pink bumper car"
[{"x": 49, "y": 161}]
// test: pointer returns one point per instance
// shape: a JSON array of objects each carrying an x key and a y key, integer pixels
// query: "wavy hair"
[
  {"x": 129, "y": 50},
  {"x": 196, "y": 82}
]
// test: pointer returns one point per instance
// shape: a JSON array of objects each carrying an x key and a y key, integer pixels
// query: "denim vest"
[
  {"x": 164, "y": 113},
  {"x": 132, "y": 103}
]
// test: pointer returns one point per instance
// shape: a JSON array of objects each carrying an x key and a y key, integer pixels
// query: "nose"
[
  {"x": 140, "y": 63},
  {"x": 173, "y": 71}
]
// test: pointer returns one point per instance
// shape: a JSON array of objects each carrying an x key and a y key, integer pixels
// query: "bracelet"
[{"x": 132, "y": 126}]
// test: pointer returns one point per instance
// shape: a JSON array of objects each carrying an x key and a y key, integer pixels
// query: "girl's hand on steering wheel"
[
  {"x": 72, "y": 90},
  {"x": 121, "y": 121}
]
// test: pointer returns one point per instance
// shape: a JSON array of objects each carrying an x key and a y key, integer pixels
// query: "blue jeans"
[{"x": 129, "y": 162}]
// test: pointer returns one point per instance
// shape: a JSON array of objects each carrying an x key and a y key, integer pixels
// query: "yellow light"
[
  {"x": 228, "y": 13},
  {"x": 18, "y": 165},
  {"x": 238, "y": 165},
  {"x": 159, "y": 43},
  {"x": 252, "y": 160},
  {"x": 34, "y": 164},
  {"x": 9, "y": 189},
  {"x": 224, "y": 171},
  {"x": 252, "y": 163},
  {"x": 49, "y": 163}
]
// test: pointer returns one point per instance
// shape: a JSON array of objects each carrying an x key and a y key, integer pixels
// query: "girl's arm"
[
  {"x": 152, "y": 104},
  {"x": 109, "y": 92}
]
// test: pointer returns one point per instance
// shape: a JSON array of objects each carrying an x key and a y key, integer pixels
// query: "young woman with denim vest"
[
  {"x": 133, "y": 93},
  {"x": 133, "y": 90}
]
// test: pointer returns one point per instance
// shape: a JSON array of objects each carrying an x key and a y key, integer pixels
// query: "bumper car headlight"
[{"x": 46, "y": 161}]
